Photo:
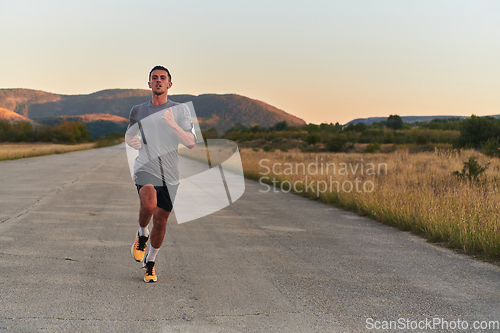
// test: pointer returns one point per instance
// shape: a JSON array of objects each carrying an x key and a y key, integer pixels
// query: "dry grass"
[
  {"x": 218, "y": 151},
  {"x": 13, "y": 151},
  {"x": 418, "y": 193}
]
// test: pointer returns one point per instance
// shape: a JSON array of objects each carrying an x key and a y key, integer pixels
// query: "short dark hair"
[{"x": 160, "y": 68}]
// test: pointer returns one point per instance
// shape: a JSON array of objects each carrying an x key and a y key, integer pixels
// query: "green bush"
[
  {"x": 110, "y": 139},
  {"x": 247, "y": 136},
  {"x": 372, "y": 148},
  {"x": 337, "y": 143},
  {"x": 491, "y": 147},
  {"x": 284, "y": 148},
  {"x": 281, "y": 126},
  {"x": 421, "y": 139},
  {"x": 478, "y": 130},
  {"x": 394, "y": 122},
  {"x": 471, "y": 171},
  {"x": 210, "y": 134},
  {"x": 270, "y": 136},
  {"x": 313, "y": 138},
  {"x": 16, "y": 132},
  {"x": 67, "y": 132}
]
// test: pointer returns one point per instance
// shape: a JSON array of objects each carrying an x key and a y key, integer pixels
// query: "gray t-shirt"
[{"x": 158, "y": 155}]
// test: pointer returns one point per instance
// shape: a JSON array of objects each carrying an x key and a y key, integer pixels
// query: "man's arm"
[
  {"x": 186, "y": 138},
  {"x": 131, "y": 137},
  {"x": 133, "y": 141}
]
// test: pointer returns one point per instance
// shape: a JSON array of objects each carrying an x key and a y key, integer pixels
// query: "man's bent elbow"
[{"x": 191, "y": 142}]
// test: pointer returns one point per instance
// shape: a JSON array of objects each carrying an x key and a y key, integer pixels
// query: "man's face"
[{"x": 159, "y": 82}]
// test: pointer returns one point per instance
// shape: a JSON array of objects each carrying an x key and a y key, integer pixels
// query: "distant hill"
[
  {"x": 223, "y": 111},
  {"x": 406, "y": 119},
  {"x": 212, "y": 110},
  {"x": 18, "y": 100},
  {"x": 86, "y": 118},
  {"x": 97, "y": 124},
  {"x": 12, "y": 117}
]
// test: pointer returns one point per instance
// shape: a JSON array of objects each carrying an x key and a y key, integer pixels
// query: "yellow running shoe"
[
  {"x": 139, "y": 248},
  {"x": 150, "y": 272}
]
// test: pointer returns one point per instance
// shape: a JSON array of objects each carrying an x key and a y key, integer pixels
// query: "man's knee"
[
  {"x": 160, "y": 218},
  {"x": 148, "y": 199},
  {"x": 148, "y": 207},
  {"x": 160, "y": 223}
]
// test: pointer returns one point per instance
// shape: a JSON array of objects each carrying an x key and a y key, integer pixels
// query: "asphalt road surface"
[{"x": 270, "y": 262}]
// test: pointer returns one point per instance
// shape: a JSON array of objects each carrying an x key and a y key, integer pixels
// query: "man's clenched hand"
[
  {"x": 135, "y": 142},
  {"x": 168, "y": 115}
]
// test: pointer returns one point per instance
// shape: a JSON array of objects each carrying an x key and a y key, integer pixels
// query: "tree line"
[
  {"x": 66, "y": 133},
  {"x": 474, "y": 132}
]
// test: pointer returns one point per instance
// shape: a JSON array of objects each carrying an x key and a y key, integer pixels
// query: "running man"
[{"x": 155, "y": 130}]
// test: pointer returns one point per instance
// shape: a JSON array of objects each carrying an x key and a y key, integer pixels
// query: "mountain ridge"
[
  {"x": 408, "y": 119},
  {"x": 220, "y": 111},
  {"x": 12, "y": 117}
]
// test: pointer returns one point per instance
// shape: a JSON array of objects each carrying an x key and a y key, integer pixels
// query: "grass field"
[
  {"x": 415, "y": 192},
  {"x": 13, "y": 151}
]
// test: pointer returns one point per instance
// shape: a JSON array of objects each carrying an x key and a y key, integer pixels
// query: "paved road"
[{"x": 270, "y": 262}]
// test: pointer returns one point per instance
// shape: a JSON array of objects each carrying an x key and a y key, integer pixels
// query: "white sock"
[
  {"x": 152, "y": 254},
  {"x": 144, "y": 231}
]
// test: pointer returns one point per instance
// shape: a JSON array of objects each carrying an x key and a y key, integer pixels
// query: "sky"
[{"x": 323, "y": 61}]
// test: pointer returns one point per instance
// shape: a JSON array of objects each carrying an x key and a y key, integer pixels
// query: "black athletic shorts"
[{"x": 165, "y": 195}]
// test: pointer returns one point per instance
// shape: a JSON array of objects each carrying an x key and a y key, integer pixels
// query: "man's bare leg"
[
  {"x": 160, "y": 217},
  {"x": 148, "y": 208},
  {"x": 147, "y": 195}
]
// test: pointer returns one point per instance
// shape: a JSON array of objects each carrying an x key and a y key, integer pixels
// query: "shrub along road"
[{"x": 269, "y": 262}]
